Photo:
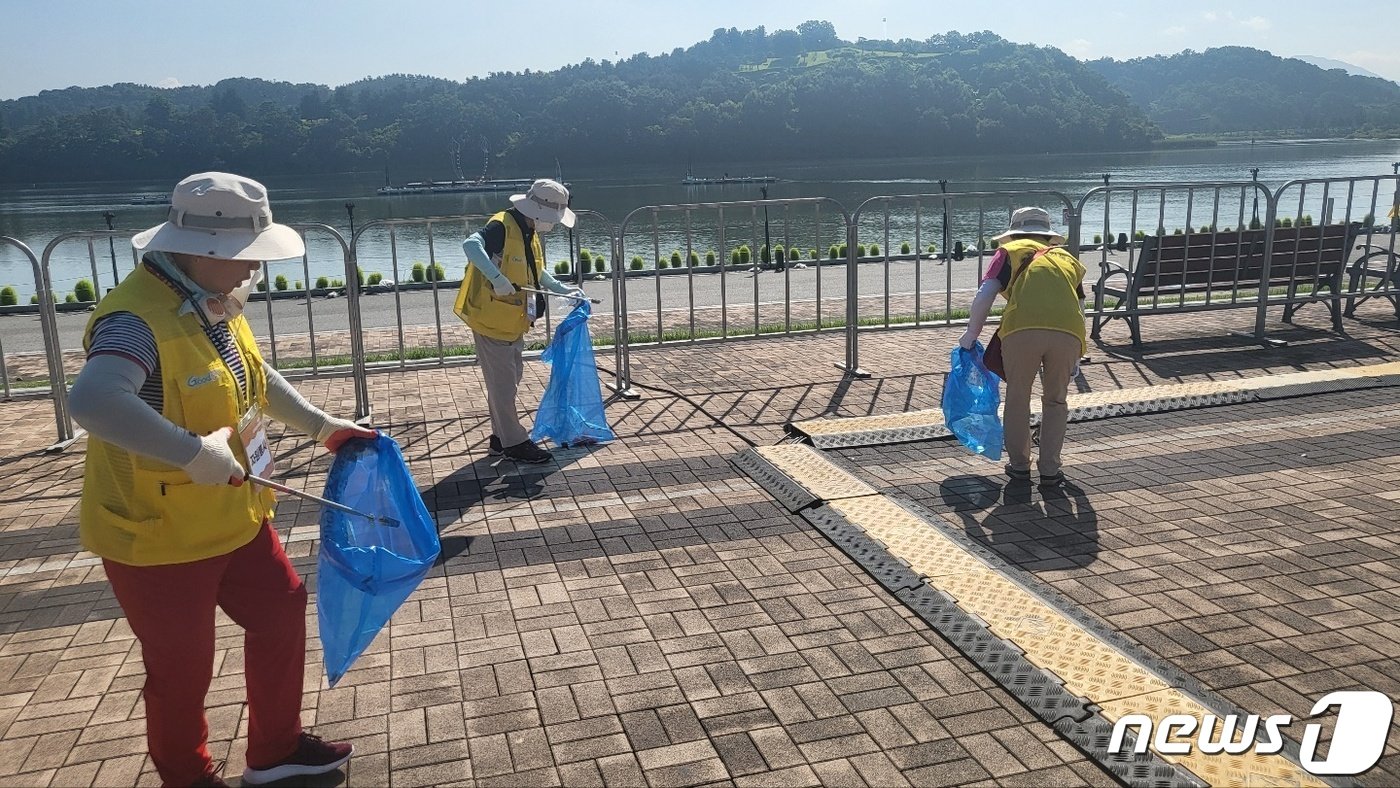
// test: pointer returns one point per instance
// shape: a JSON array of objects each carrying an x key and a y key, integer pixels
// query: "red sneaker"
[{"x": 313, "y": 755}]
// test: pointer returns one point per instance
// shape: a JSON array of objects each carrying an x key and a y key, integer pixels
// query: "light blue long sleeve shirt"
[{"x": 475, "y": 249}]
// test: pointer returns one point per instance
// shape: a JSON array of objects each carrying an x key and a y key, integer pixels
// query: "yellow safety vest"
[
  {"x": 1044, "y": 290},
  {"x": 137, "y": 510},
  {"x": 501, "y": 318}
]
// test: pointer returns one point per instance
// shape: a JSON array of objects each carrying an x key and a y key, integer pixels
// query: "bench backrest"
[{"x": 1235, "y": 259}]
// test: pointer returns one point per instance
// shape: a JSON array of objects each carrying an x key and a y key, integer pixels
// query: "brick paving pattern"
[{"x": 642, "y": 613}]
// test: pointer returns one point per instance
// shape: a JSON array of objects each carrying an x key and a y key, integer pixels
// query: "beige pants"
[
  {"x": 1053, "y": 355},
  {"x": 502, "y": 367}
]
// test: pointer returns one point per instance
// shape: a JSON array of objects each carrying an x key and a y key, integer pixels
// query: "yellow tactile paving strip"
[
  {"x": 1089, "y": 666},
  {"x": 1168, "y": 396},
  {"x": 816, "y": 473}
]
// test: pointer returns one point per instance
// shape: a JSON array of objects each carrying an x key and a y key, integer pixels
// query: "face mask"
[
  {"x": 218, "y": 308},
  {"x": 215, "y": 307},
  {"x": 543, "y": 227}
]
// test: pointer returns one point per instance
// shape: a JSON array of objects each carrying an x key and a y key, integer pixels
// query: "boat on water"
[
  {"x": 457, "y": 187},
  {"x": 149, "y": 199},
  {"x": 696, "y": 180}
]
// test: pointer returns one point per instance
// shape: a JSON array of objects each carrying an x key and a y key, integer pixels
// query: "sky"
[{"x": 53, "y": 44}]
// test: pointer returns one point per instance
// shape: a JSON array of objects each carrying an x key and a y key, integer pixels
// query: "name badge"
[{"x": 252, "y": 430}]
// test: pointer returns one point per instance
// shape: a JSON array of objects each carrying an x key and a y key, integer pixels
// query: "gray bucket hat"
[{"x": 224, "y": 216}]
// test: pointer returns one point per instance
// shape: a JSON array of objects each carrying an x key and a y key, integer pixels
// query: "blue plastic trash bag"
[
  {"x": 367, "y": 568},
  {"x": 970, "y": 399},
  {"x": 571, "y": 411}
]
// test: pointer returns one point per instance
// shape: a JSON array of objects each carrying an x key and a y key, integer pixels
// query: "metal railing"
[{"x": 1238, "y": 233}]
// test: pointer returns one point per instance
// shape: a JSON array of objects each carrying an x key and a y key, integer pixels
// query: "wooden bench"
[{"x": 1180, "y": 269}]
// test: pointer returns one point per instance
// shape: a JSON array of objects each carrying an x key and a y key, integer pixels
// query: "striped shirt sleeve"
[{"x": 125, "y": 334}]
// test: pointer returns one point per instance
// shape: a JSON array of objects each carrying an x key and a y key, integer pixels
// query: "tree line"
[{"x": 740, "y": 96}]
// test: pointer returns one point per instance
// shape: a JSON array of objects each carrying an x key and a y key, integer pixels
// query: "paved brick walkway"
[{"x": 643, "y": 613}]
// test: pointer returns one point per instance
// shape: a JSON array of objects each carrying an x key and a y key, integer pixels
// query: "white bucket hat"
[
  {"x": 224, "y": 216},
  {"x": 1030, "y": 221},
  {"x": 546, "y": 201}
]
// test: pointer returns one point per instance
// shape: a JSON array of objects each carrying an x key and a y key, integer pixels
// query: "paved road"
[{"x": 20, "y": 333}]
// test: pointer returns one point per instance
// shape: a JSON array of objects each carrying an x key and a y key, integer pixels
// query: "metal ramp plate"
[{"x": 799, "y": 475}]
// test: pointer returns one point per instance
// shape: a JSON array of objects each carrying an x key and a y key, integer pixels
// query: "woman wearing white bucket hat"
[
  {"x": 1041, "y": 332},
  {"x": 173, "y": 396},
  {"x": 503, "y": 257}
]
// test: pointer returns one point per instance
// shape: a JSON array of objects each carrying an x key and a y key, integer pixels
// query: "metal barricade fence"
[
  {"x": 958, "y": 241},
  {"x": 53, "y": 358},
  {"x": 1362, "y": 217},
  {"x": 59, "y": 367},
  {"x": 718, "y": 249}
]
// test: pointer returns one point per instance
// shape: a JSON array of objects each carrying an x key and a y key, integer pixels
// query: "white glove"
[
  {"x": 215, "y": 463},
  {"x": 967, "y": 340},
  {"x": 503, "y": 287},
  {"x": 576, "y": 293}
]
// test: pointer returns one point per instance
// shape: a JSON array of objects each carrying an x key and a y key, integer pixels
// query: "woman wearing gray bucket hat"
[
  {"x": 1041, "y": 333},
  {"x": 173, "y": 396}
]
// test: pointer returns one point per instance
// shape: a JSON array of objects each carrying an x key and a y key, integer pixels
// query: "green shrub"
[
  {"x": 995, "y": 243},
  {"x": 262, "y": 285},
  {"x": 418, "y": 273},
  {"x": 1177, "y": 231},
  {"x": 359, "y": 276},
  {"x": 9, "y": 296},
  {"x": 1368, "y": 220},
  {"x": 745, "y": 255},
  {"x": 638, "y": 263},
  {"x": 1287, "y": 222},
  {"x": 297, "y": 286},
  {"x": 435, "y": 273},
  {"x": 734, "y": 257},
  {"x": 1306, "y": 221},
  {"x": 812, "y": 254},
  {"x": 675, "y": 258},
  {"x": 70, "y": 299},
  {"x": 561, "y": 267},
  {"x": 860, "y": 251},
  {"x": 765, "y": 254},
  {"x": 34, "y": 299},
  {"x": 844, "y": 250},
  {"x": 932, "y": 248},
  {"x": 1255, "y": 224},
  {"x": 322, "y": 282},
  {"x": 1098, "y": 239},
  {"x": 337, "y": 283},
  {"x": 904, "y": 248},
  {"x": 585, "y": 265},
  {"x": 710, "y": 257},
  {"x": 834, "y": 253},
  {"x": 280, "y": 283},
  {"x": 84, "y": 291},
  {"x": 660, "y": 263},
  {"x": 375, "y": 278},
  {"x": 1137, "y": 236},
  {"x": 694, "y": 258},
  {"x": 874, "y": 250},
  {"x": 779, "y": 254}
]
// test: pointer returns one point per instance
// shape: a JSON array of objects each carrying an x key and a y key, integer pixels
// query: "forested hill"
[
  {"x": 1237, "y": 89},
  {"x": 741, "y": 96}
]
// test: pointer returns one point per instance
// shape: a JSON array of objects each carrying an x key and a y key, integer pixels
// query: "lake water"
[{"x": 37, "y": 214}]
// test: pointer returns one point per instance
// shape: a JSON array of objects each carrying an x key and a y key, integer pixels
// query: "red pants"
[{"x": 171, "y": 610}]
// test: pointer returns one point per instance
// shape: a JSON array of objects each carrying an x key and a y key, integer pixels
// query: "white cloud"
[
  {"x": 1175, "y": 30},
  {"x": 1387, "y": 64},
  {"x": 1210, "y": 16},
  {"x": 168, "y": 82},
  {"x": 1081, "y": 48},
  {"x": 1256, "y": 23}
]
